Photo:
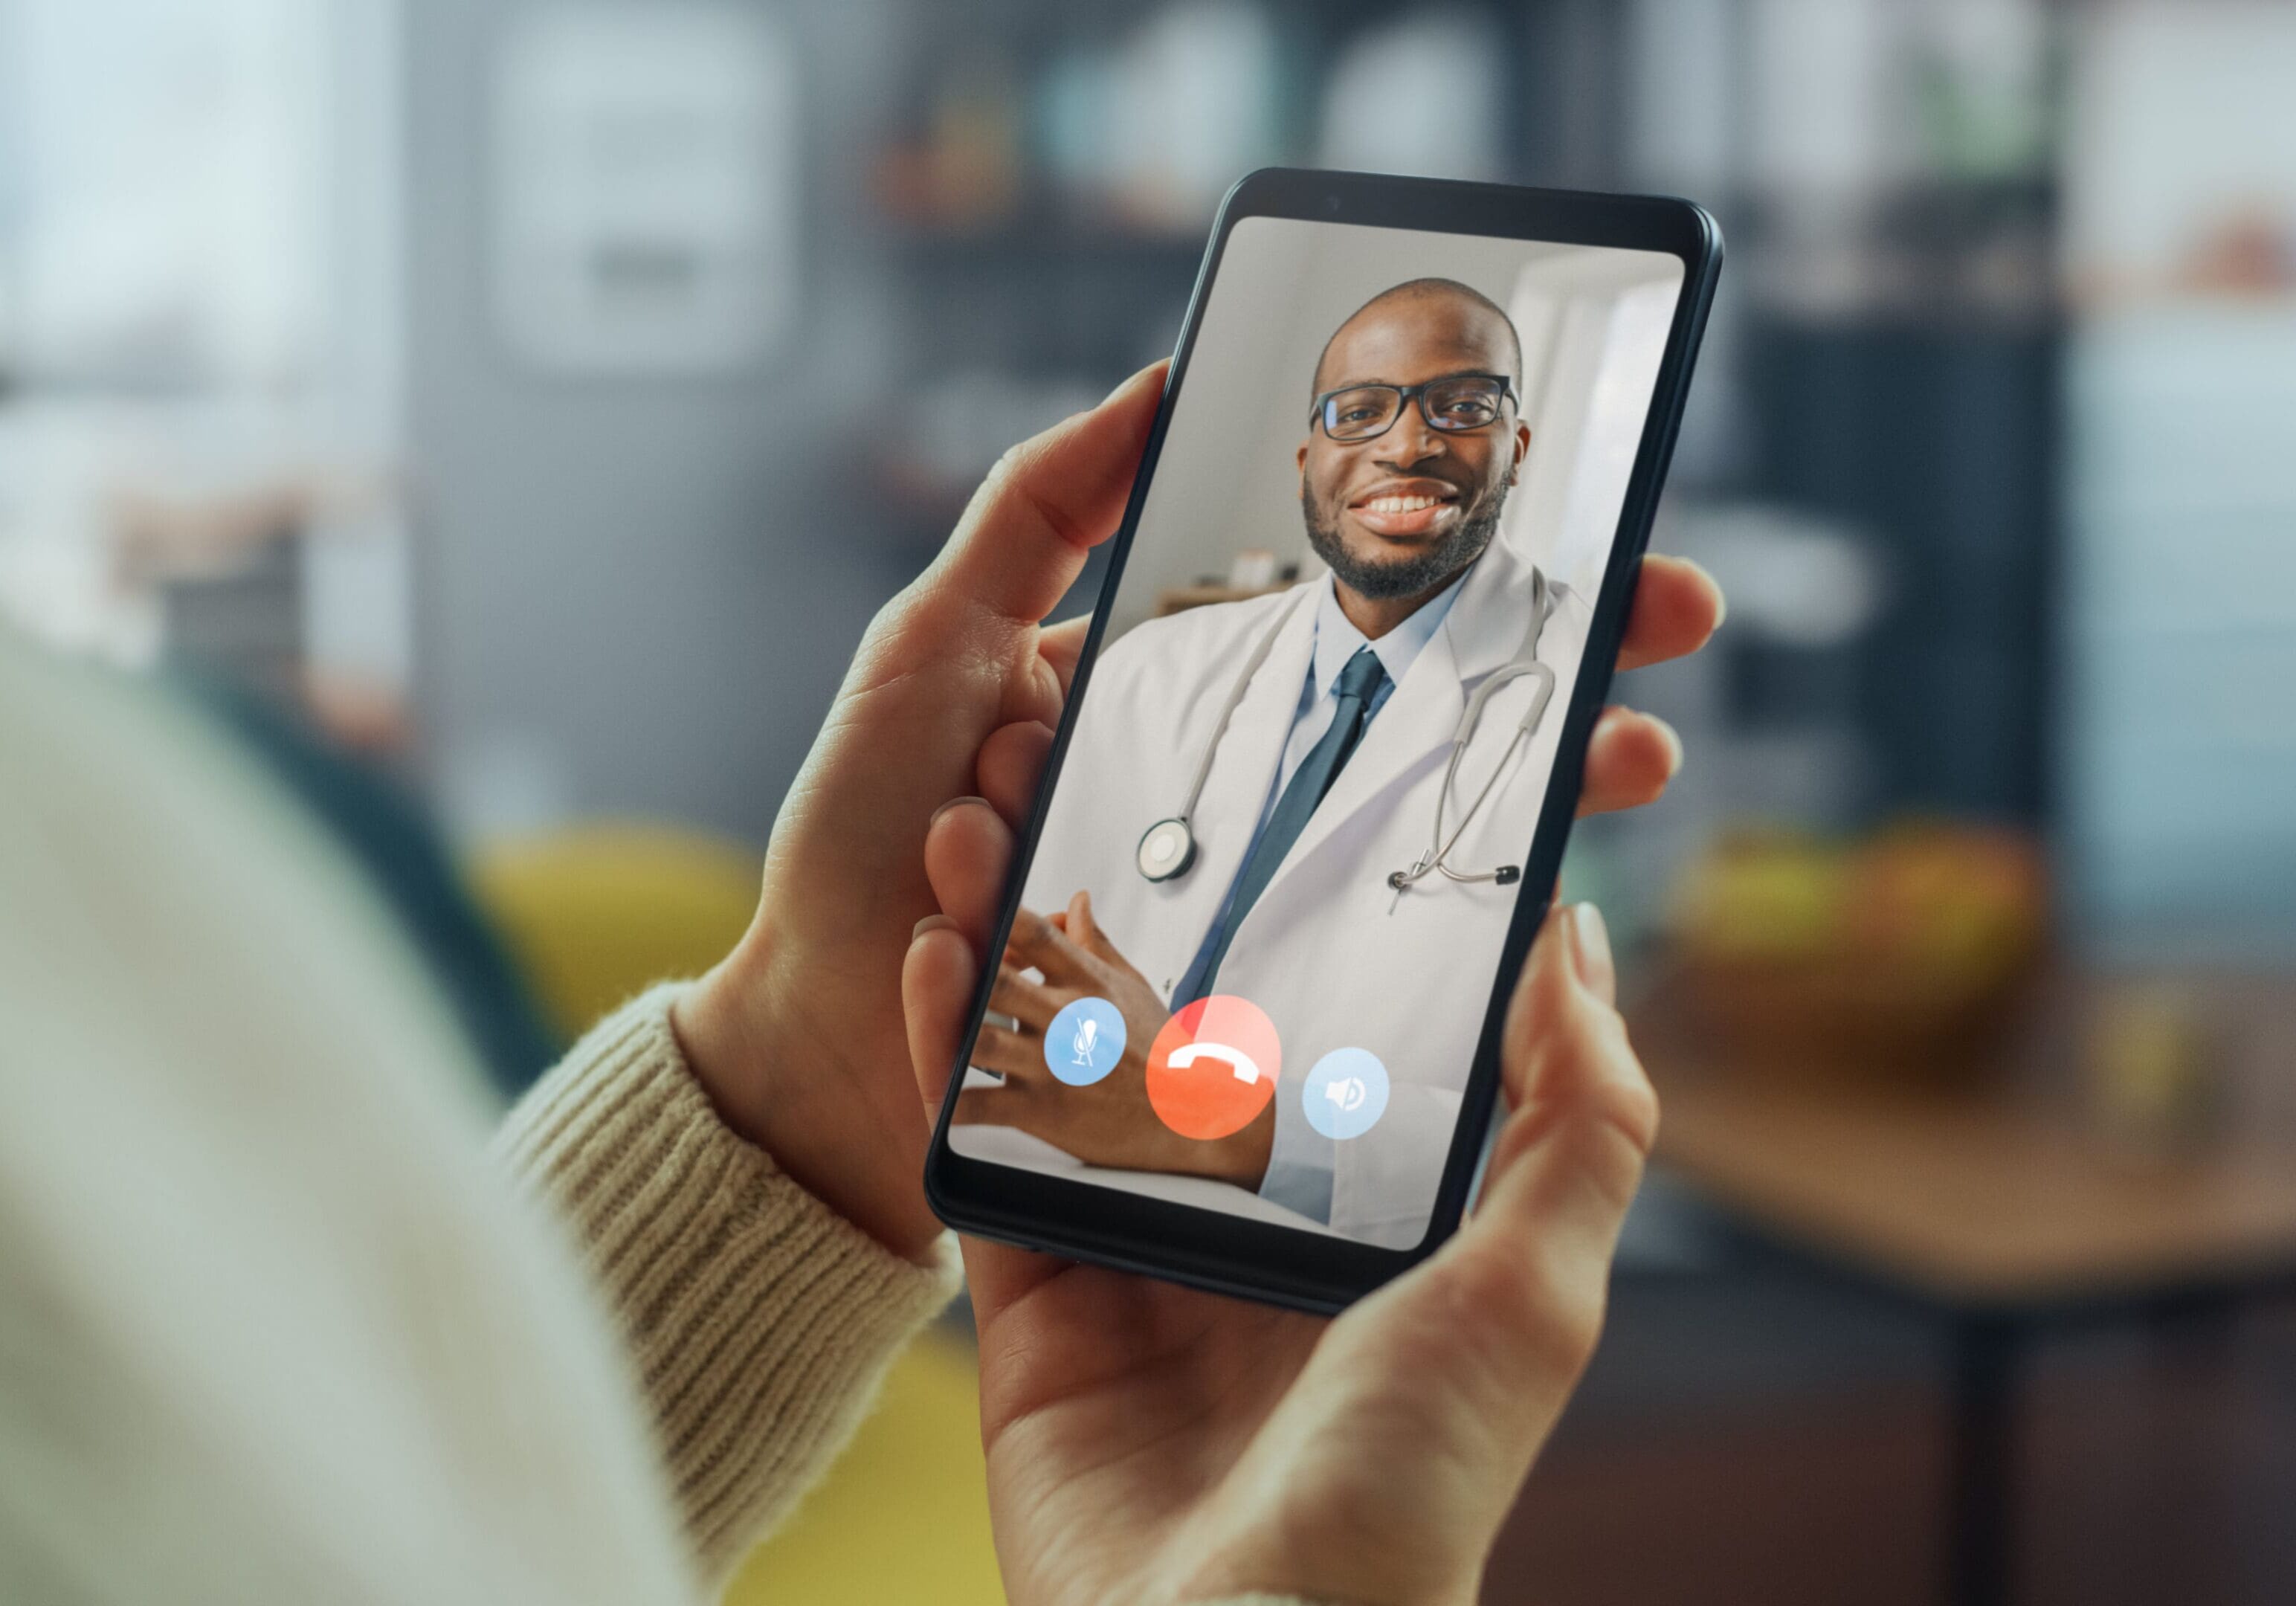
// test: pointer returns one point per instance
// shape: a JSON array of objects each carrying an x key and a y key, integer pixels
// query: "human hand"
[
  {"x": 1150, "y": 1443},
  {"x": 1109, "y": 1122},
  {"x": 797, "y": 1034},
  {"x": 954, "y": 692}
]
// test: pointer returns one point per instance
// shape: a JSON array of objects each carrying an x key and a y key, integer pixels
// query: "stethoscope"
[{"x": 1168, "y": 849}]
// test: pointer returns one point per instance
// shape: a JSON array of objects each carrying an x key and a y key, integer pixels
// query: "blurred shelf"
[{"x": 1070, "y": 234}]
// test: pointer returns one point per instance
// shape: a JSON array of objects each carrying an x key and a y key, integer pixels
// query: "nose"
[{"x": 1411, "y": 441}]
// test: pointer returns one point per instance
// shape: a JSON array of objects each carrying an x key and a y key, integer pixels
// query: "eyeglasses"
[{"x": 1455, "y": 404}]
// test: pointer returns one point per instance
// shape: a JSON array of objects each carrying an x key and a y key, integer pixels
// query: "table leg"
[{"x": 1980, "y": 1556}]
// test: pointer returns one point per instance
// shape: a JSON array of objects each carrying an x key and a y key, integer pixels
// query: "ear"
[
  {"x": 1522, "y": 450},
  {"x": 1300, "y": 462}
]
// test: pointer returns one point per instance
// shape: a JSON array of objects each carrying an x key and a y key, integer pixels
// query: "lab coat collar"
[
  {"x": 1337, "y": 639},
  {"x": 1483, "y": 630},
  {"x": 1486, "y": 623}
]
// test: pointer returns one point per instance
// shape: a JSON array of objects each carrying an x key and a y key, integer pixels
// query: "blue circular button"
[
  {"x": 1085, "y": 1042},
  {"x": 1346, "y": 1094}
]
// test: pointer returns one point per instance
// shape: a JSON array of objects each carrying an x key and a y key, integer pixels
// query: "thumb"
[
  {"x": 937, "y": 981},
  {"x": 1449, "y": 1379},
  {"x": 1503, "y": 1318},
  {"x": 1022, "y": 539},
  {"x": 1084, "y": 931},
  {"x": 1563, "y": 1170}
]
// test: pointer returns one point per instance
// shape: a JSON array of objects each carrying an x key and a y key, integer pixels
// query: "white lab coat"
[{"x": 1335, "y": 957}]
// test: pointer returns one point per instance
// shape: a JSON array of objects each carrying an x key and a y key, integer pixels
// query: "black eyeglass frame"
[{"x": 1320, "y": 412}]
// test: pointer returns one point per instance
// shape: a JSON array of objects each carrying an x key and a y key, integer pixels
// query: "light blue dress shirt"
[{"x": 1300, "y": 1166}]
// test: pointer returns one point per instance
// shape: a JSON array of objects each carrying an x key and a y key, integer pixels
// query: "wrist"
[{"x": 776, "y": 1083}]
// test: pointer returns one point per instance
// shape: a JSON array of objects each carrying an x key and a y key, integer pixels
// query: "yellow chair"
[
  {"x": 593, "y": 915},
  {"x": 903, "y": 1515},
  {"x": 597, "y": 912}
]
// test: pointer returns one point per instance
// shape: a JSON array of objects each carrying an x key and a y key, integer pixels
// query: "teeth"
[{"x": 1401, "y": 504}]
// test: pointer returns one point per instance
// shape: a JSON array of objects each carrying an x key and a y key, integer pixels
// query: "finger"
[
  {"x": 993, "y": 1107},
  {"x": 1631, "y": 759},
  {"x": 1022, "y": 539},
  {"x": 1570, "y": 1158},
  {"x": 1677, "y": 605},
  {"x": 938, "y": 975},
  {"x": 937, "y": 981},
  {"x": 1037, "y": 941},
  {"x": 1062, "y": 646},
  {"x": 1084, "y": 931},
  {"x": 1012, "y": 762},
  {"x": 997, "y": 1274},
  {"x": 1573, "y": 949},
  {"x": 1017, "y": 1055},
  {"x": 968, "y": 853},
  {"x": 1030, "y": 1003},
  {"x": 1478, "y": 1349},
  {"x": 1473, "y": 1355}
]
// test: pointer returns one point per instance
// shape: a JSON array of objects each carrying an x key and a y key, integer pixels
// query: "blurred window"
[{"x": 198, "y": 327}]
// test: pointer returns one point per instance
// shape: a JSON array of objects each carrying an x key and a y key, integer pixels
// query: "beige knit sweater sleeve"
[{"x": 758, "y": 1320}]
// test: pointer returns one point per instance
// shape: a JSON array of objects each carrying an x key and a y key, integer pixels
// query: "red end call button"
[{"x": 1212, "y": 1069}]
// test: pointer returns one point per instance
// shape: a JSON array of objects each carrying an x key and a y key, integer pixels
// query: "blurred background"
[{"x": 509, "y": 416}]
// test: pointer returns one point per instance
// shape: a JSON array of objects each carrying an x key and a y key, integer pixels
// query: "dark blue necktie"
[{"x": 1359, "y": 684}]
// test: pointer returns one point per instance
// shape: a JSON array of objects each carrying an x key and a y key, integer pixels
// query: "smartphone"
[{"x": 1304, "y": 812}]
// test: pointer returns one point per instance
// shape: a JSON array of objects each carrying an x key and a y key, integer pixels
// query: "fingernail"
[
  {"x": 1590, "y": 951},
  {"x": 1673, "y": 742},
  {"x": 954, "y": 803},
  {"x": 1721, "y": 597},
  {"x": 932, "y": 922},
  {"x": 1121, "y": 383}
]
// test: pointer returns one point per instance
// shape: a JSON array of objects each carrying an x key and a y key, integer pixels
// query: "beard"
[{"x": 1382, "y": 579}]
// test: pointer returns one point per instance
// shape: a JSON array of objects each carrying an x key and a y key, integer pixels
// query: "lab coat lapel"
[
  {"x": 1244, "y": 764},
  {"x": 1482, "y": 632}
]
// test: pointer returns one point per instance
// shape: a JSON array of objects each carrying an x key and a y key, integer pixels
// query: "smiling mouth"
[{"x": 1402, "y": 514}]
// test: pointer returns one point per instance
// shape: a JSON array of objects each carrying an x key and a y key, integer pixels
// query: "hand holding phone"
[
  {"x": 797, "y": 1035},
  {"x": 1316, "y": 824},
  {"x": 1152, "y": 1442}
]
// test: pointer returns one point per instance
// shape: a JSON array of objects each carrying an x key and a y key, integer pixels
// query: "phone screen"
[{"x": 1261, "y": 926}]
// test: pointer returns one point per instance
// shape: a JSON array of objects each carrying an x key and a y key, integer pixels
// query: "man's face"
[{"x": 1399, "y": 516}]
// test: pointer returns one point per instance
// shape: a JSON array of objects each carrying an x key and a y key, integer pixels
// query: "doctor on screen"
[{"x": 1316, "y": 802}]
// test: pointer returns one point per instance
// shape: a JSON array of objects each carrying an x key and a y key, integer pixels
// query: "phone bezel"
[{"x": 1255, "y": 1260}]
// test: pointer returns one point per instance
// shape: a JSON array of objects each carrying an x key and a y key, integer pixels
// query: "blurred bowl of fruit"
[{"x": 1902, "y": 953}]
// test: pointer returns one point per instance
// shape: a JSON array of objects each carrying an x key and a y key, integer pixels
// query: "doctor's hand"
[
  {"x": 797, "y": 1034},
  {"x": 1110, "y": 1122},
  {"x": 1151, "y": 1443}
]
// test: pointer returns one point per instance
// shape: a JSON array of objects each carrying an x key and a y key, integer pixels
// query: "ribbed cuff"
[{"x": 760, "y": 1320}]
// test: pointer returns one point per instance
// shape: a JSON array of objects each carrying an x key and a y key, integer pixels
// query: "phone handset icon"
[
  {"x": 1212, "y": 1070},
  {"x": 1238, "y": 1061}
]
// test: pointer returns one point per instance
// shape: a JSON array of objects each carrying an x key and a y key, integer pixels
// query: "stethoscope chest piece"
[{"x": 1167, "y": 849}]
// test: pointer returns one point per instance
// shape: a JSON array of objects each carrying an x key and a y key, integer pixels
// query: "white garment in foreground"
[{"x": 274, "y": 1328}]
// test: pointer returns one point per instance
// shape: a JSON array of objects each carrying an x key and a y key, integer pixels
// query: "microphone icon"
[{"x": 1086, "y": 1035}]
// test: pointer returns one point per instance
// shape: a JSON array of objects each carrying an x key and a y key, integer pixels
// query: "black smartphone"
[{"x": 1304, "y": 813}]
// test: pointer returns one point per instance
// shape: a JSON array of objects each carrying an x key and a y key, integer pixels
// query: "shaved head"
[
  {"x": 1398, "y": 513},
  {"x": 1477, "y": 307}
]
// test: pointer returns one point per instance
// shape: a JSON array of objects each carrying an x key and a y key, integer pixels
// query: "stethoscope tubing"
[{"x": 1179, "y": 829}]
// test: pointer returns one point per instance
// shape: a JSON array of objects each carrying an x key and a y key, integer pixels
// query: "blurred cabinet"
[{"x": 1936, "y": 437}]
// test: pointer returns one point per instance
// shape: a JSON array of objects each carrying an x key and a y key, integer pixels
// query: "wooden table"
[{"x": 1994, "y": 1200}]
